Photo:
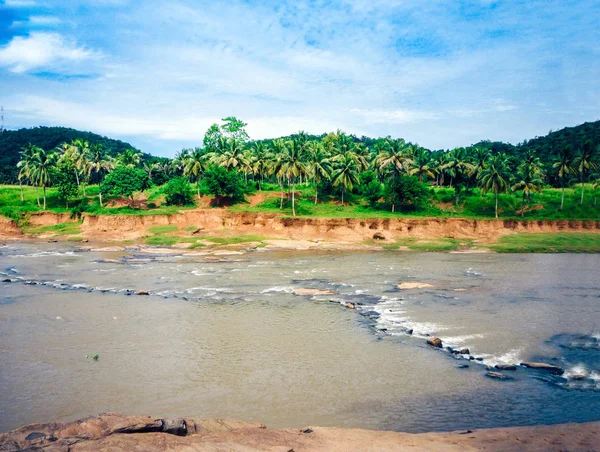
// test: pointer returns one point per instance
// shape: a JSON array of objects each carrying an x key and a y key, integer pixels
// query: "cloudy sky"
[{"x": 441, "y": 73}]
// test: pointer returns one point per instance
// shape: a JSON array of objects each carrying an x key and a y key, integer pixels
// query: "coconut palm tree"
[
  {"x": 585, "y": 164},
  {"x": 194, "y": 164},
  {"x": 396, "y": 156},
  {"x": 345, "y": 173},
  {"x": 41, "y": 165},
  {"x": 25, "y": 165},
  {"x": 420, "y": 166},
  {"x": 233, "y": 155},
  {"x": 319, "y": 166},
  {"x": 495, "y": 177},
  {"x": 480, "y": 156},
  {"x": 528, "y": 180},
  {"x": 98, "y": 163},
  {"x": 457, "y": 164},
  {"x": 292, "y": 166},
  {"x": 130, "y": 157},
  {"x": 564, "y": 165}
]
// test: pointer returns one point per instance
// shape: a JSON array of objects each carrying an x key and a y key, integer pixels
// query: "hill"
[{"x": 11, "y": 142}]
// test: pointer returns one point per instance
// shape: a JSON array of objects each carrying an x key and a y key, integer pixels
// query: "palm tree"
[
  {"x": 585, "y": 164},
  {"x": 480, "y": 156},
  {"x": 292, "y": 166},
  {"x": 346, "y": 173},
  {"x": 421, "y": 164},
  {"x": 396, "y": 156},
  {"x": 232, "y": 155},
  {"x": 563, "y": 166},
  {"x": 457, "y": 164},
  {"x": 319, "y": 166},
  {"x": 130, "y": 157},
  {"x": 595, "y": 186},
  {"x": 528, "y": 181},
  {"x": 495, "y": 177},
  {"x": 41, "y": 166},
  {"x": 25, "y": 166},
  {"x": 98, "y": 164},
  {"x": 194, "y": 165}
]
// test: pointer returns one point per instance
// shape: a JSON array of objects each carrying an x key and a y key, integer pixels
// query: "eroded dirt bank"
[
  {"x": 112, "y": 431},
  {"x": 333, "y": 229}
]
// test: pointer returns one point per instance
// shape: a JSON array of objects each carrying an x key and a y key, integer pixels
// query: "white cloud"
[
  {"x": 19, "y": 3},
  {"x": 40, "y": 50},
  {"x": 394, "y": 116}
]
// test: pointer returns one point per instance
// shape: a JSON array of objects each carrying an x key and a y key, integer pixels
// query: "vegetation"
[
  {"x": 548, "y": 243},
  {"x": 329, "y": 175}
]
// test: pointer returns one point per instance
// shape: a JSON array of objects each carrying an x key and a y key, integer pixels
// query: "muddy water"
[{"x": 229, "y": 339}]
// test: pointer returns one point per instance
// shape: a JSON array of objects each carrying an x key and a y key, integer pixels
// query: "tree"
[
  {"x": 125, "y": 181},
  {"x": 563, "y": 166},
  {"x": 395, "y": 154},
  {"x": 495, "y": 177},
  {"x": 25, "y": 166},
  {"x": 194, "y": 164},
  {"x": 233, "y": 155},
  {"x": 178, "y": 191},
  {"x": 345, "y": 173},
  {"x": 528, "y": 181},
  {"x": 370, "y": 187},
  {"x": 420, "y": 164},
  {"x": 41, "y": 166},
  {"x": 319, "y": 166},
  {"x": 98, "y": 164},
  {"x": 292, "y": 166},
  {"x": 130, "y": 158},
  {"x": 585, "y": 164},
  {"x": 234, "y": 128},
  {"x": 222, "y": 182},
  {"x": 65, "y": 182},
  {"x": 406, "y": 192}
]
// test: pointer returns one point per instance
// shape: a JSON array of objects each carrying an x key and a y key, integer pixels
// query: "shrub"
[
  {"x": 125, "y": 181},
  {"x": 221, "y": 182},
  {"x": 178, "y": 192},
  {"x": 407, "y": 193}
]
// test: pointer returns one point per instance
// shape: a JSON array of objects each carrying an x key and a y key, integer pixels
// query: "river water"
[{"x": 231, "y": 340}]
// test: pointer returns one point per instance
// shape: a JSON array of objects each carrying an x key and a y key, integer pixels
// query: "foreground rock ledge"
[{"x": 116, "y": 432}]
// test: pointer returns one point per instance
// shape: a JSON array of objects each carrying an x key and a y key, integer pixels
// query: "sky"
[{"x": 440, "y": 73}]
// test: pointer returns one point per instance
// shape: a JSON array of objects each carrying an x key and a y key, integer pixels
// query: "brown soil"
[
  {"x": 128, "y": 433},
  {"x": 355, "y": 231}
]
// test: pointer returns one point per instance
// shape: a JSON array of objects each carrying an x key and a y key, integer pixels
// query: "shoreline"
[
  {"x": 219, "y": 228},
  {"x": 111, "y": 431}
]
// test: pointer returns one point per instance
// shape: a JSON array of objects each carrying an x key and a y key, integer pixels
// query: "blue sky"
[{"x": 442, "y": 73}]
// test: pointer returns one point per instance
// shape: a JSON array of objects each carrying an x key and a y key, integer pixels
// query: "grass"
[
  {"x": 234, "y": 240},
  {"x": 432, "y": 245},
  {"x": 163, "y": 229},
  {"x": 61, "y": 229},
  {"x": 566, "y": 242}
]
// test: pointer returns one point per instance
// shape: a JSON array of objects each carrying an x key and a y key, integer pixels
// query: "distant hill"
[
  {"x": 548, "y": 145},
  {"x": 12, "y": 141}
]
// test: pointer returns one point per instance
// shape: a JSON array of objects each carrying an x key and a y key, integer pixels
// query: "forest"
[{"x": 384, "y": 174}]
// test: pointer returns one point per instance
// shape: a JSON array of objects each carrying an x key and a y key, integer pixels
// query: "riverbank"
[
  {"x": 112, "y": 431},
  {"x": 207, "y": 228}
]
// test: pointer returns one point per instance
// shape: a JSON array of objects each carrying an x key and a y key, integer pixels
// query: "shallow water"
[{"x": 229, "y": 339}]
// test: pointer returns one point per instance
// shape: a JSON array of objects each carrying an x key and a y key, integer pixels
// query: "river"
[{"x": 229, "y": 339}]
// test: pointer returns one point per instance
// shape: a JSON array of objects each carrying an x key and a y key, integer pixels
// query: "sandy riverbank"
[{"x": 127, "y": 433}]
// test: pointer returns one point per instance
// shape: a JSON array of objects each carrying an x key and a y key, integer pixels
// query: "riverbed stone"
[
  {"x": 435, "y": 342},
  {"x": 142, "y": 292},
  {"x": 496, "y": 375},
  {"x": 505, "y": 367},
  {"x": 350, "y": 305},
  {"x": 464, "y": 351},
  {"x": 379, "y": 236},
  {"x": 413, "y": 285},
  {"x": 313, "y": 292},
  {"x": 544, "y": 366}
]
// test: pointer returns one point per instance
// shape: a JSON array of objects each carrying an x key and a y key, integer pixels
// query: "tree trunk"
[
  {"x": 281, "y": 199},
  {"x": 293, "y": 200},
  {"x": 450, "y": 181},
  {"x": 37, "y": 196},
  {"x": 77, "y": 177},
  {"x": 21, "y": 187},
  {"x": 84, "y": 190},
  {"x": 198, "y": 188},
  {"x": 342, "y": 197},
  {"x": 496, "y": 205},
  {"x": 316, "y": 193},
  {"x": 582, "y": 190},
  {"x": 523, "y": 205},
  {"x": 393, "y": 207},
  {"x": 44, "y": 197},
  {"x": 562, "y": 199},
  {"x": 100, "y": 197}
]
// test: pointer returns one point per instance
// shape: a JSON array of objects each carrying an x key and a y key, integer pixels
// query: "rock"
[
  {"x": 450, "y": 350},
  {"x": 464, "y": 351},
  {"x": 307, "y": 430},
  {"x": 462, "y": 366},
  {"x": 543, "y": 366},
  {"x": 313, "y": 292},
  {"x": 413, "y": 285},
  {"x": 409, "y": 331},
  {"x": 471, "y": 358},
  {"x": 505, "y": 367},
  {"x": 350, "y": 305},
  {"x": 7, "y": 280},
  {"x": 578, "y": 377},
  {"x": 435, "y": 342},
  {"x": 378, "y": 236},
  {"x": 174, "y": 426},
  {"x": 142, "y": 292},
  {"x": 496, "y": 375},
  {"x": 478, "y": 359}
]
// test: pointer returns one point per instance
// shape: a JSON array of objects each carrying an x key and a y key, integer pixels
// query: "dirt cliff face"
[
  {"x": 219, "y": 221},
  {"x": 8, "y": 228},
  {"x": 116, "y": 432}
]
